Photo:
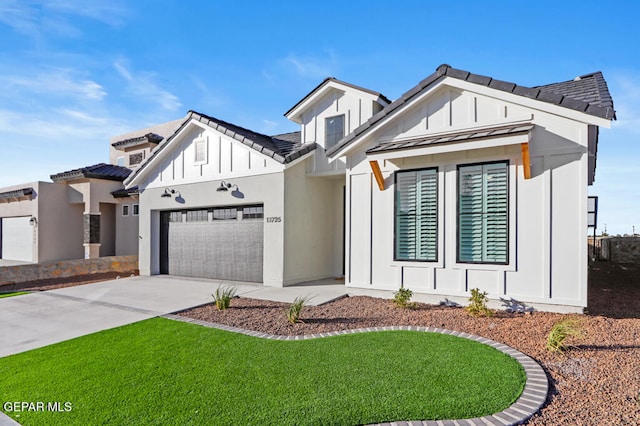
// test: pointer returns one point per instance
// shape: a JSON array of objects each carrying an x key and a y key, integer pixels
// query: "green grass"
[
  {"x": 165, "y": 372},
  {"x": 15, "y": 293}
]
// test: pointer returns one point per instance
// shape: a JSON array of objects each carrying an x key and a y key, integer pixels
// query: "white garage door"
[
  {"x": 17, "y": 239},
  {"x": 220, "y": 243}
]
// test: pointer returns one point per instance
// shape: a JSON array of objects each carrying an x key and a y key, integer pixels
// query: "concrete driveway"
[{"x": 40, "y": 319}]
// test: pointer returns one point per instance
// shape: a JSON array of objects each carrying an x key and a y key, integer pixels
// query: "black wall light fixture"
[
  {"x": 224, "y": 187},
  {"x": 170, "y": 193}
]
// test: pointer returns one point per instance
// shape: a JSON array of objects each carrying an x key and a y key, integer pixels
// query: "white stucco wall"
[
  {"x": 126, "y": 228},
  {"x": 547, "y": 228}
]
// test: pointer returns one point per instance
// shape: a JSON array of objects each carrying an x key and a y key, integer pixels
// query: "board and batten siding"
[
  {"x": 547, "y": 214},
  {"x": 226, "y": 158}
]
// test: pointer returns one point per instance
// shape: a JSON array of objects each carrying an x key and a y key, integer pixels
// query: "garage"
[
  {"x": 220, "y": 242},
  {"x": 16, "y": 237}
]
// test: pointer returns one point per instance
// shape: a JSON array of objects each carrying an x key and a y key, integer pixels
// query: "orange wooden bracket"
[
  {"x": 375, "y": 167},
  {"x": 526, "y": 161}
]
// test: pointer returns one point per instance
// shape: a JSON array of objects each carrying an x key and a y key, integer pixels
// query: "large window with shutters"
[
  {"x": 483, "y": 213},
  {"x": 416, "y": 215}
]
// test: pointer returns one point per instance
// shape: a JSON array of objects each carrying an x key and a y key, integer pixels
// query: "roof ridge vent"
[{"x": 578, "y": 78}]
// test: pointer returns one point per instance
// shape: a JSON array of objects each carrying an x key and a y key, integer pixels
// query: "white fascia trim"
[
  {"x": 452, "y": 147},
  {"x": 295, "y": 113}
]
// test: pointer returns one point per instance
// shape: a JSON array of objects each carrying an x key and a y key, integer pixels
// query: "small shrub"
[
  {"x": 478, "y": 304},
  {"x": 223, "y": 296},
  {"x": 293, "y": 314},
  {"x": 402, "y": 297},
  {"x": 559, "y": 333}
]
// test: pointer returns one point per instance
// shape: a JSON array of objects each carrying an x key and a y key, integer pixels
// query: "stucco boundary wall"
[
  {"x": 623, "y": 249},
  {"x": 66, "y": 268}
]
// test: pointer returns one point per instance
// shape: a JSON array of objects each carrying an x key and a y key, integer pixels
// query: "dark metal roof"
[
  {"x": 97, "y": 171},
  {"x": 122, "y": 193},
  {"x": 562, "y": 95},
  {"x": 148, "y": 138},
  {"x": 330, "y": 79},
  {"x": 486, "y": 133},
  {"x": 16, "y": 194}
]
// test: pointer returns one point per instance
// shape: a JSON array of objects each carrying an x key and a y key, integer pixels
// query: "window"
[
  {"x": 416, "y": 215},
  {"x": 200, "y": 151},
  {"x": 136, "y": 158},
  {"x": 120, "y": 162},
  {"x": 136, "y": 209},
  {"x": 197, "y": 216},
  {"x": 125, "y": 210},
  {"x": 334, "y": 130},
  {"x": 255, "y": 212},
  {"x": 225, "y": 213},
  {"x": 483, "y": 213}
]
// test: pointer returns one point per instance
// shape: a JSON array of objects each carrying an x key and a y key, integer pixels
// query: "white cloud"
[
  {"x": 143, "y": 85},
  {"x": 626, "y": 97},
  {"x": 63, "y": 82}
]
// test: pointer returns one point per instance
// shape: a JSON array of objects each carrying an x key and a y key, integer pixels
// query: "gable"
[
  {"x": 199, "y": 153},
  {"x": 450, "y": 109}
]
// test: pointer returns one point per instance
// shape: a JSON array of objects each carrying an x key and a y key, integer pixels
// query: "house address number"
[{"x": 274, "y": 219}]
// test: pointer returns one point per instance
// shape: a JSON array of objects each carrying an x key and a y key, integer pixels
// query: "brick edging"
[{"x": 529, "y": 403}]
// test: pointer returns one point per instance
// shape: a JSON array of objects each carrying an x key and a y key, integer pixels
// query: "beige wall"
[
  {"x": 313, "y": 226},
  {"x": 60, "y": 226},
  {"x": 126, "y": 228}
]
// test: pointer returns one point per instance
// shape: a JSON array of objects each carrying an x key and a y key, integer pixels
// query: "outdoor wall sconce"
[
  {"x": 224, "y": 187},
  {"x": 33, "y": 221},
  {"x": 167, "y": 193}
]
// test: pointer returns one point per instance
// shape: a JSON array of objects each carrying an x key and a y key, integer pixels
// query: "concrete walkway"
[{"x": 43, "y": 318}]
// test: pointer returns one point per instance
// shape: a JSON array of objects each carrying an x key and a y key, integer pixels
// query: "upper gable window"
[
  {"x": 334, "y": 130},
  {"x": 201, "y": 151}
]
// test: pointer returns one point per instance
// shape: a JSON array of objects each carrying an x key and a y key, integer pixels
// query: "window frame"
[
  {"x": 459, "y": 261},
  {"x": 205, "y": 143},
  {"x": 125, "y": 210},
  {"x": 437, "y": 219},
  {"x": 135, "y": 209},
  {"x": 328, "y": 145}
]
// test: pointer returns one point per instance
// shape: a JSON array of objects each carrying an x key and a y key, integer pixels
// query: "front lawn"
[
  {"x": 15, "y": 293},
  {"x": 166, "y": 372}
]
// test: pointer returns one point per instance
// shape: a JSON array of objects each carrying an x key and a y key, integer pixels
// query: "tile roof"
[
  {"x": 147, "y": 138},
  {"x": 16, "y": 194},
  {"x": 590, "y": 88},
  {"x": 163, "y": 129},
  {"x": 97, "y": 171},
  {"x": 561, "y": 94},
  {"x": 484, "y": 133},
  {"x": 121, "y": 193}
]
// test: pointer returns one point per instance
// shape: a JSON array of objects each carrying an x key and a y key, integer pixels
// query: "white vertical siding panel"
[
  {"x": 383, "y": 273},
  {"x": 360, "y": 229}
]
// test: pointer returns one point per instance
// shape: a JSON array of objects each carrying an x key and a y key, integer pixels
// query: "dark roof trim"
[
  {"x": 333, "y": 79},
  {"x": 462, "y": 136},
  {"x": 599, "y": 108},
  {"x": 123, "y": 193},
  {"x": 97, "y": 171},
  {"x": 16, "y": 194},
  {"x": 148, "y": 138}
]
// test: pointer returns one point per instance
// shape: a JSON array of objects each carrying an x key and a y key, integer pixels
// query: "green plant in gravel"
[
  {"x": 295, "y": 310},
  {"x": 223, "y": 296},
  {"x": 402, "y": 298},
  {"x": 478, "y": 304},
  {"x": 560, "y": 332}
]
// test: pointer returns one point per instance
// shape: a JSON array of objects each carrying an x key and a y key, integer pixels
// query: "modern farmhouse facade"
[{"x": 463, "y": 182}]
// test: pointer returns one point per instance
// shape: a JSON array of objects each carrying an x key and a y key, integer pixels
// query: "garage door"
[
  {"x": 17, "y": 239},
  {"x": 221, "y": 243}
]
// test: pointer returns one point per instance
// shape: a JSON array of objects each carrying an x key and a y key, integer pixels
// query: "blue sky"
[{"x": 73, "y": 73}]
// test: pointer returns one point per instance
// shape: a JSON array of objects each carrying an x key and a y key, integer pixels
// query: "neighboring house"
[
  {"x": 463, "y": 182},
  {"x": 84, "y": 213}
]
